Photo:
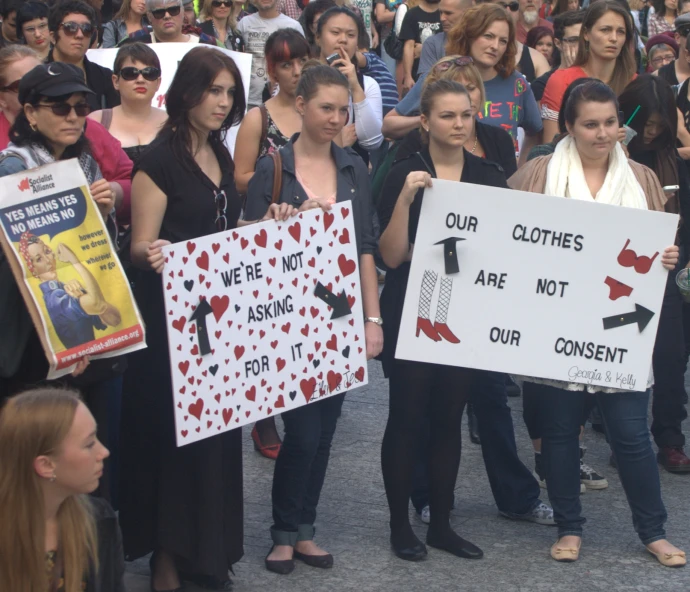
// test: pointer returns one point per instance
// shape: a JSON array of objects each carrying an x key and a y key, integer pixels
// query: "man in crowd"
[
  {"x": 420, "y": 23},
  {"x": 72, "y": 27},
  {"x": 255, "y": 29},
  {"x": 8, "y": 31},
  {"x": 189, "y": 12},
  {"x": 434, "y": 48},
  {"x": 528, "y": 18}
]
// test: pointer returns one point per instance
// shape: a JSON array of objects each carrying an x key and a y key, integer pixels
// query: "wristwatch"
[{"x": 376, "y": 320}]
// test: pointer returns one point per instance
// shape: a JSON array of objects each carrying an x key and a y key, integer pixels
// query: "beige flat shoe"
[
  {"x": 670, "y": 559},
  {"x": 565, "y": 554}
]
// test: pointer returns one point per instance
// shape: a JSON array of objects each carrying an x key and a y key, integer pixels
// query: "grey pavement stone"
[{"x": 353, "y": 519}]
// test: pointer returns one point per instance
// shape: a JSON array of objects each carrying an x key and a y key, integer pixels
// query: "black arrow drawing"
[
  {"x": 450, "y": 254},
  {"x": 641, "y": 316},
  {"x": 199, "y": 315},
  {"x": 339, "y": 304}
]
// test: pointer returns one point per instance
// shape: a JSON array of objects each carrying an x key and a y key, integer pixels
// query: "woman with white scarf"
[{"x": 589, "y": 164}]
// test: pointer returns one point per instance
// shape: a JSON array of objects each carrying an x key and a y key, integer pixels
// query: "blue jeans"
[{"x": 625, "y": 420}]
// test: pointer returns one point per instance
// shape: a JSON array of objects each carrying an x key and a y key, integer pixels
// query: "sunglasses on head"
[
  {"x": 512, "y": 6},
  {"x": 461, "y": 61},
  {"x": 149, "y": 73},
  {"x": 70, "y": 28},
  {"x": 219, "y": 3},
  {"x": 159, "y": 13},
  {"x": 64, "y": 109},
  {"x": 12, "y": 87},
  {"x": 221, "y": 209}
]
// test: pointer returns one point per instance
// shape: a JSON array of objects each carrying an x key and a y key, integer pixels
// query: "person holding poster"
[
  {"x": 315, "y": 172},
  {"x": 589, "y": 163},
  {"x": 447, "y": 125},
  {"x": 183, "y": 189}
]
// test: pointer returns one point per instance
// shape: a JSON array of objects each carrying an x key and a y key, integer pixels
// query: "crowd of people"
[{"x": 347, "y": 100}]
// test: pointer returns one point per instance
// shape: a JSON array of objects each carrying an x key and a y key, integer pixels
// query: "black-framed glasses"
[
  {"x": 221, "y": 207},
  {"x": 32, "y": 30},
  {"x": 149, "y": 73},
  {"x": 461, "y": 61},
  {"x": 13, "y": 87},
  {"x": 64, "y": 109},
  {"x": 512, "y": 6},
  {"x": 159, "y": 13},
  {"x": 219, "y": 3},
  {"x": 70, "y": 28}
]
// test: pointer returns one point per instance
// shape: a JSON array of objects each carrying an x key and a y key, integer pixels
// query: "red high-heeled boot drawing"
[{"x": 439, "y": 329}]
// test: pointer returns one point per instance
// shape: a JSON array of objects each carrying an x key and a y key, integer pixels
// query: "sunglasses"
[
  {"x": 512, "y": 6},
  {"x": 159, "y": 13},
  {"x": 461, "y": 61},
  {"x": 221, "y": 207},
  {"x": 219, "y": 3},
  {"x": 13, "y": 87},
  {"x": 131, "y": 73},
  {"x": 64, "y": 109},
  {"x": 70, "y": 28}
]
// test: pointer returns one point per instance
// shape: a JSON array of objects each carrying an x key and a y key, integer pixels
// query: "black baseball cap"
[{"x": 52, "y": 80}]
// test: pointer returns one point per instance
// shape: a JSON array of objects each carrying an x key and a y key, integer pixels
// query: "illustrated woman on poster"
[{"x": 75, "y": 310}]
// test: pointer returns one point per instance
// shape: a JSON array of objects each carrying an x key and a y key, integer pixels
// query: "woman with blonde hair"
[
  {"x": 219, "y": 20},
  {"x": 54, "y": 536},
  {"x": 129, "y": 19}
]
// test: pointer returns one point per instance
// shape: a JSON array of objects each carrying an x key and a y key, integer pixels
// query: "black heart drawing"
[
  {"x": 346, "y": 352},
  {"x": 237, "y": 308},
  {"x": 189, "y": 284},
  {"x": 293, "y": 394},
  {"x": 316, "y": 363},
  {"x": 213, "y": 369},
  {"x": 191, "y": 339},
  {"x": 318, "y": 250},
  {"x": 238, "y": 407}
]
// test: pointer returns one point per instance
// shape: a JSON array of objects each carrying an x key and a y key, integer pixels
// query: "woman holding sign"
[
  {"x": 590, "y": 164},
  {"x": 447, "y": 125},
  {"x": 315, "y": 172}
]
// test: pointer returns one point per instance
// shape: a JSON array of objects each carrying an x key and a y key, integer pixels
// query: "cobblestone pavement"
[{"x": 353, "y": 525}]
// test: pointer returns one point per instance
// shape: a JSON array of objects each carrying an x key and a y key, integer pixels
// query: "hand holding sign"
[{"x": 155, "y": 257}]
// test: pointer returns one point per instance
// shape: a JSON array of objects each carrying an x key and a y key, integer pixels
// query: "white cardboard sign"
[
  {"x": 547, "y": 287},
  {"x": 257, "y": 298},
  {"x": 169, "y": 55}
]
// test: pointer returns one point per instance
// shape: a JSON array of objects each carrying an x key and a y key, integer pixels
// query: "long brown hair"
[
  {"x": 33, "y": 424},
  {"x": 625, "y": 62},
  {"x": 472, "y": 25}
]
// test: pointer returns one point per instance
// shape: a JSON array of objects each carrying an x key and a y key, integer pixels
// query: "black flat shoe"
[
  {"x": 321, "y": 561},
  {"x": 206, "y": 582},
  {"x": 409, "y": 552},
  {"x": 454, "y": 544},
  {"x": 282, "y": 567}
]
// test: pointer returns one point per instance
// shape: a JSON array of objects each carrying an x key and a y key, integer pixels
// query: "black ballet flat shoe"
[
  {"x": 454, "y": 544},
  {"x": 206, "y": 582},
  {"x": 282, "y": 567},
  {"x": 407, "y": 551},
  {"x": 320, "y": 561}
]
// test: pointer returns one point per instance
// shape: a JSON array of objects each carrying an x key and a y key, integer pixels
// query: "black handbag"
[{"x": 393, "y": 46}]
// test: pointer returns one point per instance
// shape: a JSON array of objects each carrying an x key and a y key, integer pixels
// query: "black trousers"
[{"x": 300, "y": 468}]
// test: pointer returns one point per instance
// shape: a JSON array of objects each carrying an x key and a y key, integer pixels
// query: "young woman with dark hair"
[
  {"x": 590, "y": 164},
  {"x": 137, "y": 77},
  {"x": 183, "y": 189},
  {"x": 541, "y": 39},
  {"x": 605, "y": 52},
  {"x": 32, "y": 27},
  {"x": 655, "y": 121},
  {"x": 447, "y": 125},
  {"x": 665, "y": 12},
  {"x": 316, "y": 172},
  {"x": 310, "y": 17}
]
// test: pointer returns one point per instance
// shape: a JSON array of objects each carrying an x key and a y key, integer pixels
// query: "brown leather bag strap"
[{"x": 277, "y": 176}]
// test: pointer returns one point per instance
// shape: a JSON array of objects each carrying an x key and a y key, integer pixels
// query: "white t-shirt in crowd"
[{"x": 255, "y": 30}]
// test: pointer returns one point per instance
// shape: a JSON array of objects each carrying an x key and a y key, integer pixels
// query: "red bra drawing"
[{"x": 628, "y": 258}]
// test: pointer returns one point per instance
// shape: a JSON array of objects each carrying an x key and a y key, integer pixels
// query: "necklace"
[{"x": 475, "y": 144}]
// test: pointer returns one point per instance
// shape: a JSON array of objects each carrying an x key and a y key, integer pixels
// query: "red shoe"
[
  {"x": 267, "y": 451},
  {"x": 427, "y": 328},
  {"x": 443, "y": 330},
  {"x": 673, "y": 459}
]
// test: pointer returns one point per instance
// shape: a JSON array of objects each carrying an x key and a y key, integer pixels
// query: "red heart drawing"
[
  {"x": 280, "y": 402},
  {"x": 226, "y": 257},
  {"x": 345, "y": 212},
  {"x": 312, "y": 232},
  {"x": 190, "y": 247},
  {"x": 184, "y": 367},
  {"x": 314, "y": 311},
  {"x": 227, "y": 415},
  {"x": 195, "y": 350},
  {"x": 317, "y": 345},
  {"x": 239, "y": 351},
  {"x": 279, "y": 245},
  {"x": 280, "y": 364},
  {"x": 295, "y": 231},
  {"x": 347, "y": 266},
  {"x": 344, "y": 237},
  {"x": 272, "y": 261},
  {"x": 286, "y": 328},
  {"x": 261, "y": 238},
  {"x": 179, "y": 324},
  {"x": 274, "y": 344},
  {"x": 305, "y": 330},
  {"x": 215, "y": 247},
  {"x": 312, "y": 262},
  {"x": 184, "y": 433},
  {"x": 219, "y": 304},
  {"x": 333, "y": 379},
  {"x": 307, "y": 387},
  {"x": 359, "y": 375},
  {"x": 202, "y": 260},
  {"x": 196, "y": 408},
  {"x": 328, "y": 219},
  {"x": 332, "y": 343},
  {"x": 251, "y": 393}
]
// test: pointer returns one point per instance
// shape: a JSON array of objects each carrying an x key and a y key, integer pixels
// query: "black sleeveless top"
[
  {"x": 668, "y": 73},
  {"x": 526, "y": 66}
]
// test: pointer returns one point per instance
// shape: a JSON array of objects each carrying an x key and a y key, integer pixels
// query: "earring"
[
  {"x": 33, "y": 127},
  {"x": 53, "y": 477}
]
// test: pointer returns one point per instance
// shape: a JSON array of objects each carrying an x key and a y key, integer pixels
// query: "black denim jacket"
[{"x": 352, "y": 184}]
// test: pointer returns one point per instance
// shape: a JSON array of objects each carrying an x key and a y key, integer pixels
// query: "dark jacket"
[
  {"x": 352, "y": 184},
  {"x": 235, "y": 39},
  {"x": 100, "y": 81},
  {"x": 111, "y": 561}
]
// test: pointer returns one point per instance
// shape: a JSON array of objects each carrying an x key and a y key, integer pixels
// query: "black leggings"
[{"x": 419, "y": 391}]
